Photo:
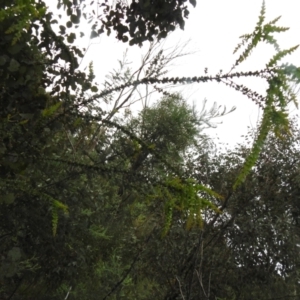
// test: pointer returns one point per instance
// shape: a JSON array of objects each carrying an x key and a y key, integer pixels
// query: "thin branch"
[
  {"x": 201, "y": 283},
  {"x": 68, "y": 137},
  {"x": 180, "y": 288},
  {"x": 68, "y": 293}
]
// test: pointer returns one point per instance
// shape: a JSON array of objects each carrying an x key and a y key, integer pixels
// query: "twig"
[
  {"x": 68, "y": 293},
  {"x": 201, "y": 283},
  {"x": 180, "y": 288}
]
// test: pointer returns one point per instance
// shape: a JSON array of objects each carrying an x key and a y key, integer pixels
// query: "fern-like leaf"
[
  {"x": 56, "y": 206},
  {"x": 54, "y": 220},
  {"x": 48, "y": 112},
  {"x": 257, "y": 146},
  {"x": 281, "y": 54}
]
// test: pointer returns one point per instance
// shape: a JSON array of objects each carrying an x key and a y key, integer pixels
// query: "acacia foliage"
[{"x": 82, "y": 187}]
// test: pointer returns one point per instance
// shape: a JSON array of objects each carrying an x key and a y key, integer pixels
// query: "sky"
[{"x": 213, "y": 30}]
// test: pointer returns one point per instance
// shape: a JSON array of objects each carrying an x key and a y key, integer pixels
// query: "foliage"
[
  {"x": 279, "y": 93},
  {"x": 251, "y": 250},
  {"x": 22, "y": 11},
  {"x": 89, "y": 195},
  {"x": 138, "y": 21}
]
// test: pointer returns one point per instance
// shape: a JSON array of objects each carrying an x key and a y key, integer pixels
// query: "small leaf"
[
  {"x": 13, "y": 65},
  {"x": 93, "y": 34},
  {"x": 8, "y": 198},
  {"x": 14, "y": 49},
  {"x": 14, "y": 254},
  {"x": 193, "y": 2},
  {"x": 48, "y": 112},
  {"x": 71, "y": 37},
  {"x": 60, "y": 205},
  {"x": 163, "y": 34},
  {"x": 64, "y": 55},
  {"x": 62, "y": 29},
  {"x": 124, "y": 39},
  {"x": 69, "y": 11},
  {"x": 94, "y": 89},
  {"x": 3, "y": 60},
  {"x": 181, "y": 24},
  {"x": 75, "y": 19},
  {"x": 54, "y": 220}
]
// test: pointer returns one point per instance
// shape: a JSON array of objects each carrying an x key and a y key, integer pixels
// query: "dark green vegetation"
[
  {"x": 138, "y": 21},
  {"x": 99, "y": 205}
]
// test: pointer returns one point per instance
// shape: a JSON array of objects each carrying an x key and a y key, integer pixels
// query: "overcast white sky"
[{"x": 213, "y": 27}]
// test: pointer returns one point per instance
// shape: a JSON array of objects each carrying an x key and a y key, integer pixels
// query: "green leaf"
[
  {"x": 14, "y": 49},
  {"x": 193, "y": 2},
  {"x": 54, "y": 220},
  {"x": 163, "y": 34},
  {"x": 75, "y": 19},
  {"x": 181, "y": 24},
  {"x": 7, "y": 199},
  {"x": 64, "y": 55},
  {"x": 48, "y": 112},
  {"x": 3, "y": 60},
  {"x": 71, "y": 38},
  {"x": 94, "y": 89},
  {"x": 124, "y": 39},
  {"x": 2, "y": 148},
  {"x": 62, "y": 29},
  {"x": 281, "y": 54},
  {"x": 93, "y": 34},
  {"x": 14, "y": 254},
  {"x": 13, "y": 65},
  {"x": 60, "y": 205},
  {"x": 69, "y": 11}
]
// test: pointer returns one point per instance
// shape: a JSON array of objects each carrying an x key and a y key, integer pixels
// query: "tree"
[
  {"x": 250, "y": 251},
  {"x": 88, "y": 194},
  {"x": 50, "y": 168}
]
